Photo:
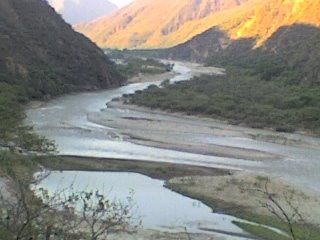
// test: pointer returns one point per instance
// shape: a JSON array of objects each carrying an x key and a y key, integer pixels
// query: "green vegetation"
[
  {"x": 275, "y": 86},
  {"x": 140, "y": 53},
  {"x": 42, "y": 55},
  {"x": 301, "y": 230},
  {"x": 131, "y": 63},
  {"x": 21, "y": 168},
  {"x": 52, "y": 215},
  {"x": 241, "y": 98},
  {"x": 17, "y": 166},
  {"x": 135, "y": 66},
  {"x": 290, "y": 56},
  {"x": 260, "y": 231},
  {"x": 11, "y": 113},
  {"x": 14, "y": 134}
]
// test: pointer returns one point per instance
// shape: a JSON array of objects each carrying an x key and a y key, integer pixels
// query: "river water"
[
  {"x": 154, "y": 205},
  {"x": 65, "y": 120}
]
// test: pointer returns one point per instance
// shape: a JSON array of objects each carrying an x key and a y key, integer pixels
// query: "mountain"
[
  {"x": 80, "y": 11},
  {"x": 153, "y": 23},
  {"x": 42, "y": 55},
  {"x": 159, "y": 24},
  {"x": 251, "y": 26},
  {"x": 200, "y": 47}
]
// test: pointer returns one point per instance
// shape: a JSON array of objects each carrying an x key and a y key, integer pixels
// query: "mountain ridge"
[
  {"x": 257, "y": 19},
  {"x": 134, "y": 26}
]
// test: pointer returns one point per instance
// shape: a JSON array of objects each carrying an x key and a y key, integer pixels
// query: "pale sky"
[{"x": 121, "y": 3}]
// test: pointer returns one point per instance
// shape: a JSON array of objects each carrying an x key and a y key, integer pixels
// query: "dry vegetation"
[{"x": 260, "y": 200}]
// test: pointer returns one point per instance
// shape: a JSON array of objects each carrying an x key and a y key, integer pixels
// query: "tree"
[
  {"x": 287, "y": 212},
  {"x": 63, "y": 215},
  {"x": 102, "y": 216}
]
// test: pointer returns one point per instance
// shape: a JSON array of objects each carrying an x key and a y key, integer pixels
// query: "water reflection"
[{"x": 158, "y": 207}]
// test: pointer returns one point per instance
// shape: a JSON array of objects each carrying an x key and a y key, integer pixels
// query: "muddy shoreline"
[
  {"x": 157, "y": 170},
  {"x": 224, "y": 191}
]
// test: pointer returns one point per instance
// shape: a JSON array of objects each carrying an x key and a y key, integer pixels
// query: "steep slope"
[
  {"x": 292, "y": 53},
  {"x": 133, "y": 27},
  {"x": 253, "y": 25},
  {"x": 43, "y": 55},
  {"x": 80, "y": 11},
  {"x": 200, "y": 47},
  {"x": 152, "y": 23}
]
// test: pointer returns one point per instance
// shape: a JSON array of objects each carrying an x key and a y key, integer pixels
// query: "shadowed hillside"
[
  {"x": 40, "y": 57},
  {"x": 293, "y": 51},
  {"x": 199, "y": 48},
  {"x": 41, "y": 53}
]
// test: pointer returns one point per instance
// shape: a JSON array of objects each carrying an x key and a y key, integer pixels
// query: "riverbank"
[
  {"x": 151, "y": 77},
  {"x": 222, "y": 128},
  {"x": 11, "y": 173},
  {"x": 232, "y": 194},
  {"x": 246, "y": 196},
  {"x": 169, "y": 132},
  {"x": 241, "y": 99},
  {"x": 158, "y": 170},
  {"x": 160, "y": 235},
  {"x": 140, "y": 78},
  {"x": 237, "y": 194},
  {"x": 195, "y": 68},
  {"x": 245, "y": 192}
]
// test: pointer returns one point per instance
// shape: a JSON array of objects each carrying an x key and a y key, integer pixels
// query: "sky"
[{"x": 121, "y": 3}]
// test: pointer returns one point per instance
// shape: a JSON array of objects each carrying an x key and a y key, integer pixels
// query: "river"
[
  {"x": 83, "y": 125},
  {"x": 157, "y": 207},
  {"x": 66, "y": 121}
]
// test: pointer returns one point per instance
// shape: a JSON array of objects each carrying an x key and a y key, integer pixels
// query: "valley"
[
  {"x": 83, "y": 125},
  {"x": 184, "y": 119}
]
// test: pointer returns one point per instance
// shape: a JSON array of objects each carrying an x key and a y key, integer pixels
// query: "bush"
[{"x": 240, "y": 98}]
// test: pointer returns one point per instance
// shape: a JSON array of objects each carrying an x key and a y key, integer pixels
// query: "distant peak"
[{"x": 79, "y": 11}]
